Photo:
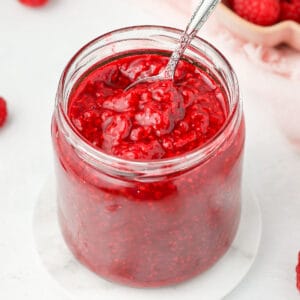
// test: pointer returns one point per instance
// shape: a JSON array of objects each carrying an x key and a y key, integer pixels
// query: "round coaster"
[{"x": 82, "y": 284}]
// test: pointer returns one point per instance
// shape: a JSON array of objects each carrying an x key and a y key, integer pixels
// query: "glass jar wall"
[{"x": 157, "y": 222}]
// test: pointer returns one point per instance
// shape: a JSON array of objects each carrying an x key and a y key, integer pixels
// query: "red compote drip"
[
  {"x": 143, "y": 230},
  {"x": 149, "y": 121}
]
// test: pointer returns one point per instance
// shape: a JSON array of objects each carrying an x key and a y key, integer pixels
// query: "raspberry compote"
[
  {"x": 150, "y": 120},
  {"x": 149, "y": 179}
]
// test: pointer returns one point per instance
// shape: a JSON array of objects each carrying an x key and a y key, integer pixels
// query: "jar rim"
[{"x": 147, "y": 168}]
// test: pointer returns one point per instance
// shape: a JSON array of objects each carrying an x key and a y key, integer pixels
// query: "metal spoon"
[{"x": 201, "y": 14}]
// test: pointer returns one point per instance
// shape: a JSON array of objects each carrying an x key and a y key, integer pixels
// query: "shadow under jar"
[{"x": 148, "y": 223}]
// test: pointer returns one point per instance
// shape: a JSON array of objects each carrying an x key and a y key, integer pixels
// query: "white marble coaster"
[{"x": 81, "y": 284}]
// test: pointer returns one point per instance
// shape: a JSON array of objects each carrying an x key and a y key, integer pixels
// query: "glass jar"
[{"x": 148, "y": 223}]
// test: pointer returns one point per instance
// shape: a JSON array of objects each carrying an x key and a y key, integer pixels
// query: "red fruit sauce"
[
  {"x": 155, "y": 231},
  {"x": 151, "y": 120}
]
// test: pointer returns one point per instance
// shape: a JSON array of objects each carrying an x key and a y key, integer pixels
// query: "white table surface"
[{"x": 35, "y": 45}]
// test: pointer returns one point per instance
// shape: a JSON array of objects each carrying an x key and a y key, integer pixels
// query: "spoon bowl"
[{"x": 199, "y": 17}]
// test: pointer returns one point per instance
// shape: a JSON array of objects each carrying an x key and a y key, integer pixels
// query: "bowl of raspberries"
[{"x": 265, "y": 22}]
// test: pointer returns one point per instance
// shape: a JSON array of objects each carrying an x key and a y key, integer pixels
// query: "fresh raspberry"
[
  {"x": 260, "y": 12},
  {"x": 34, "y": 3},
  {"x": 3, "y": 111},
  {"x": 290, "y": 10},
  {"x": 298, "y": 272}
]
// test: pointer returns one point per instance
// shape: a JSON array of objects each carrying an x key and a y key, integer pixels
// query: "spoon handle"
[{"x": 201, "y": 14}]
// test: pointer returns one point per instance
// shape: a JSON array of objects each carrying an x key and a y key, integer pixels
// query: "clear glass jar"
[{"x": 148, "y": 223}]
